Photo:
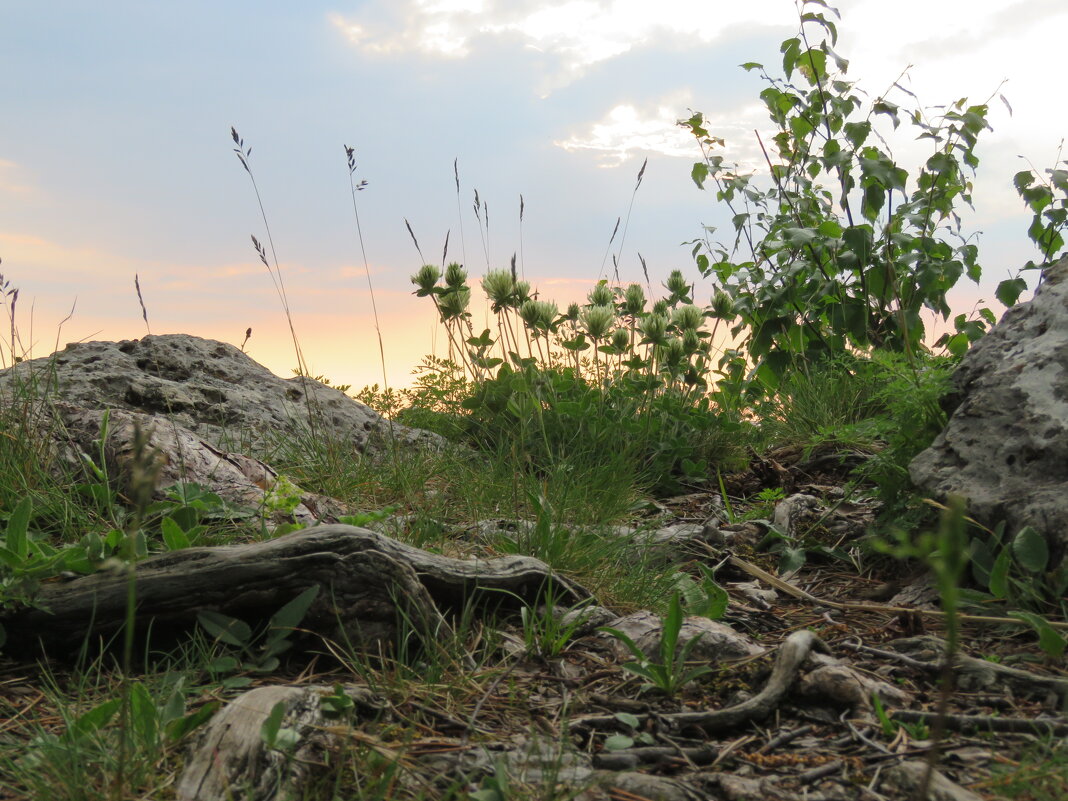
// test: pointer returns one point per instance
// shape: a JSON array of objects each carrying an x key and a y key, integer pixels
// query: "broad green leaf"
[
  {"x": 791, "y": 51},
  {"x": 173, "y": 536},
  {"x": 227, "y": 629},
  {"x": 799, "y": 236},
  {"x": 957, "y": 344},
  {"x": 96, "y": 718},
  {"x": 1031, "y": 550},
  {"x": 618, "y": 742},
  {"x": 1049, "y": 639},
  {"x": 699, "y": 173},
  {"x": 873, "y": 200},
  {"x": 813, "y": 65},
  {"x": 1009, "y": 290},
  {"x": 982, "y": 562},
  {"x": 627, "y": 719},
  {"x": 290, "y": 615},
  {"x": 830, "y": 229}
]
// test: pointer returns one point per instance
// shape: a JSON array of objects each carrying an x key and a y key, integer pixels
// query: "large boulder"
[
  {"x": 211, "y": 388},
  {"x": 1005, "y": 447}
]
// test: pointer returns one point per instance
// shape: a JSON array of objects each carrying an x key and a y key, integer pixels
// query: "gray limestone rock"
[
  {"x": 211, "y": 388},
  {"x": 1005, "y": 447}
]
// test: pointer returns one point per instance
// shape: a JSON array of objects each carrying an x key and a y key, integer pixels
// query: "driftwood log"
[{"x": 365, "y": 578}]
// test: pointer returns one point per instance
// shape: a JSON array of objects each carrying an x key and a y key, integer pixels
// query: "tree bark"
[{"x": 365, "y": 579}]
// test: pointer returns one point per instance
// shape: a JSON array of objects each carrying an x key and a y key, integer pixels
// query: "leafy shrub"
[{"x": 844, "y": 250}]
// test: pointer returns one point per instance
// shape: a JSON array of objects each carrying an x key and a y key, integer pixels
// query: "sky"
[{"x": 116, "y": 158}]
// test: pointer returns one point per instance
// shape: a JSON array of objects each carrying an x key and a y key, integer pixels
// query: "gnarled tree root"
[
  {"x": 792, "y": 653},
  {"x": 365, "y": 579}
]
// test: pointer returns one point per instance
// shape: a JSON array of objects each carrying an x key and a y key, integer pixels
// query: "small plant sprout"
[{"x": 671, "y": 673}]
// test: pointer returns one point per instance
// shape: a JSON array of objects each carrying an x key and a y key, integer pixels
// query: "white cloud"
[
  {"x": 627, "y": 131},
  {"x": 578, "y": 33}
]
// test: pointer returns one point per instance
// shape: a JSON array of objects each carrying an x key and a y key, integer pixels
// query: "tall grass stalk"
[
  {"x": 243, "y": 155},
  {"x": 626, "y": 222},
  {"x": 355, "y": 187}
]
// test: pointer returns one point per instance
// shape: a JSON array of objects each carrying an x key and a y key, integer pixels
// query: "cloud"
[
  {"x": 627, "y": 131},
  {"x": 574, "y": 33}
]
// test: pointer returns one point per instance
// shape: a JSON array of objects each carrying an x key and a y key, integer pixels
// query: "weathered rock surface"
[
  {"x": 1006, "y": 445},
  {"x": 171, "y": 455},
  {"x": 208, "y": 387}
]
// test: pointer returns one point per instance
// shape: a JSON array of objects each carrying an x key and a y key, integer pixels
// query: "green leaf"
[
  {"x": 813, "y": 65},
  {"x": 1009, "y": 291},
  {"x": 177, "y": 729},
  {"x": 830, "y": 229},
  {"x": 1031, "y": 550},
  {"x": 999, "y": 575},
  {"x": 957, "y": 344},
  {"x": 791, "y": 51},
  {"x": 981, "y": 560},
  {"x": 174, "y": 708},
  {"x": 173, "y": 536},
  {"x": 11, "y": 559},
  {"x": 618, "y": 742},
  {"x": 627, "y": 719},
  {"x": 96, "y": 718},
  {"x": 1049, "y": 639},
  {"x": 144, "y": 715},
  {"x": 798, "y": 236},
  {"x": 17, "y": 525},
  {"x": 858, "y": 238},
  {"x": 669, "y": 631},
  {"x": 290, "y": 615},
  {"x": 272, "y": 725},
  {"x": 873, "y": 200},
  {"x": 791, "y": 559},
  {"x": 626, "y": 640},
  {"x": 699, "y": 173},
  {"x": 224, "y": 628}
]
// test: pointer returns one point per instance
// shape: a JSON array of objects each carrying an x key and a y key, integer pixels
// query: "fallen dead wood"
[
  {"x": 927, "y": 653},
  {"x": 973, "y": 723},
  {"x": 797, "y": 592},
  {"x": 366, "y": 578},
  {"x": 794, "y": 650}
]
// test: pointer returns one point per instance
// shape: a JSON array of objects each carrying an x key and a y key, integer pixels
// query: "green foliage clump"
[{"x": 845, "y": 249}]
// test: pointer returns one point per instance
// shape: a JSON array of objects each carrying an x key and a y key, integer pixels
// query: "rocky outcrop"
[
  {"x": 210, "y": 388},
  {"x": 1005, "y": 447}
]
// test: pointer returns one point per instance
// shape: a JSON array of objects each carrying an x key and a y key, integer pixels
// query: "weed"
[
  {"x": 671, "y": 673},
  {"x": 258, "y": 653}
]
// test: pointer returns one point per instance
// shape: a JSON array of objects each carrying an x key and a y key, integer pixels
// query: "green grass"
[
  {"x": 1039, "y": 774},
  {"x": 561, "y": 422}
]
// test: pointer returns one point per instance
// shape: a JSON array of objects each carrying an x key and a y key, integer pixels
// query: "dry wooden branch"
[{"x": 366, "y": 578}]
